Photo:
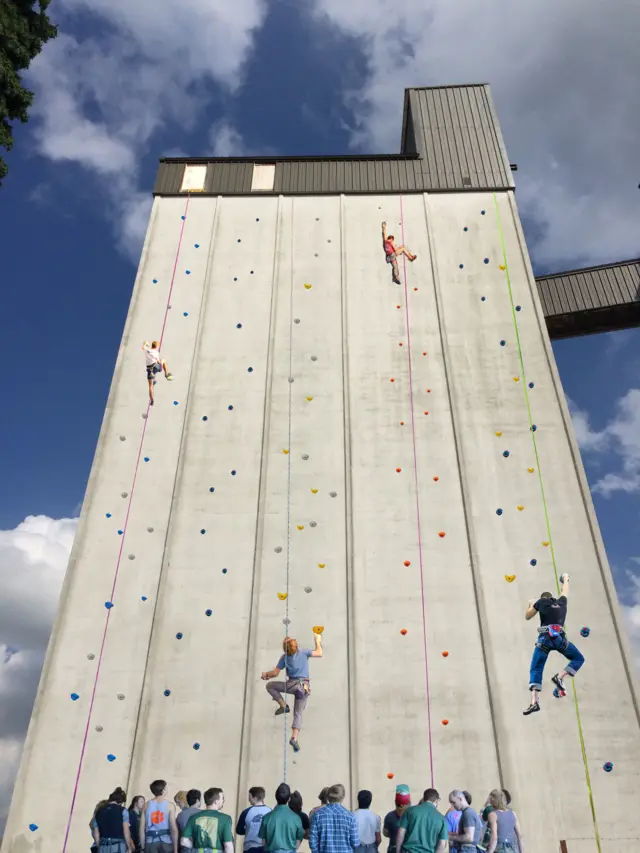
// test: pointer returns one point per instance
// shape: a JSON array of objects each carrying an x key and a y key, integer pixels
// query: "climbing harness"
[
  {"x": 417, "y": 492},
  {"x": 119, "y": 558},
  {"x": 532, "y": 429}
]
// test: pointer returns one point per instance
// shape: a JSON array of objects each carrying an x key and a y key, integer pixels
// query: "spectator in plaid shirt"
[{"x": 334, "y": 828}]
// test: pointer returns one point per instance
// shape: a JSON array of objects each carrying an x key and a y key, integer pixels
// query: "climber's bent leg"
[{"x": 275, "y": 689}]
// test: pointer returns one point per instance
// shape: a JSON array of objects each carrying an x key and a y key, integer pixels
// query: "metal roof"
[
  {"x": 595, "y": 299},
  {"x": 451, "y": 141}
]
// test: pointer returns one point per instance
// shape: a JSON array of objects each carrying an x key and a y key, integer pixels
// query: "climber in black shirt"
[{"x": 551, "y": 637}]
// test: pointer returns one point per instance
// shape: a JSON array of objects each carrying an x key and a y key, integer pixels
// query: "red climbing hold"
[
  {"x": 390, "y": 775},
  {"x": 428, "y": 390},
  {"x": 435, "y": 479},
  {"x": 445, "y": 722},
  {"x": 392, "y": 379},
  {"x": 400, "y": 344},
  {"x": 403, "y": 631},
  {"x": 398, "y": 470},
  {"x": 401, "y": 423},
  {"x": 407, "y": 562},
  {"x": 445, "y": 654},
  {"x": 442, "y": 534},
  {"x": 426, "y": 413},
  {"x": 398, "y": 306},
  {"x": 424, "y": 353}
]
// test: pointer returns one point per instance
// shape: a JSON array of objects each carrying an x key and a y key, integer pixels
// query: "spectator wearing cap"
[
  {"x": 422, "y": 828},
  {"x": 392, "y": 819},
  {"x": 334, "y": 828}
]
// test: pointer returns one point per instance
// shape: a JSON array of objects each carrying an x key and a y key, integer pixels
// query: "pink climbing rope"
[
  {"x": 415, "y": 477},
  {"x": 122, "y": 540}
]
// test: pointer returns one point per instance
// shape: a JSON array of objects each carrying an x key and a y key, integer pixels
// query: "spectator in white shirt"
[
  {"x": 368, "y": 823},
  {"x": 155, "y": 364}
]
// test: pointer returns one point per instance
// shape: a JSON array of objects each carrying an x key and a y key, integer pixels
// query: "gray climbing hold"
[
  {"x": 305, "y": 456},
  {"x": 316, "y": 255},
  {"x": 144, "y": 416},
  {"x": 314, "y": 358},
  {"x": 132, "y": 556},
  {"x": 123, "y": 438},
  {"x": 286, "y": 621},
  {"x": 291, "y": 379},
  {"x": 149, "y": 529},
  {"x": 313, "y": 524},
  {"x": 99, "y": 728},
  {"x": 307, "y": 589},
  {"x": 90, "y": 656},
  {"x": 278, "y": 549},
  {"x": 328, "y": 241},
  {"x": 121, "y": 696},
  {"x": 333, "y": 494},
  {"x": 297, "y": 320},
  {"x": 124, "y": 495}
]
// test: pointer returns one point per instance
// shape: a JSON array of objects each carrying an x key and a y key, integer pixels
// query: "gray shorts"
[
  {"x": 152, "y": 369},
  {"x": 159, "y": 847}
]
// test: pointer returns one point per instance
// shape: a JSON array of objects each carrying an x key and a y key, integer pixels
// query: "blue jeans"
[{"x": 548, "y": 644}]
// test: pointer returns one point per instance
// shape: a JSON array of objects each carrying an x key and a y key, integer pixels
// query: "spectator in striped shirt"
[{"x": 334, "y": 828}]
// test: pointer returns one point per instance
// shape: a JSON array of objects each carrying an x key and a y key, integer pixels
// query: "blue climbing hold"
[
  {"x": 155, "y": 281},
  {"x": 233, "y": 473},
  {"x": 498, "y": 512},
  {"x": 483, "y": 212},
  {"x": 461, "y": 266},
  {"x": 146, "y": 458},
  {"x": 196, "y": 746},
  {"x": 144, "y": 597},
  {"x": 33, "y": 827},
  {"x": 531, "y": 385},
  {"x": 167, "y": 693},
  {"x": 203, "y": 531},
  {"x": 75, "y": 697},
  {"x": 175, "y": 402},
  {"x": 483, "y": 299},
  {"x": 108, "y": 604},
  {"x": 518, "y": 308},
  {"x": 111, "y": 757},
  {"x": 533, "y": 427},
  {"x": 188, "y": 272},
  {"x": 179, "y": 635},
  {"x": 584, "y": 632},
  {"x": 120, "y": 532},
  {"x": 208, "y": 612},
  {"x": 465, "y": 228},
  {"x": 205, "y": 418},
  {"x": 185, "y": 313},
  {"x": 197, "y": 245},
  {"x": 503, "y": 343},
  {"x": 108, "y": 515},
  {"x": 212, "y": 489},
  {"x": 533, "y": 562},
  {"x": 183, "y": 218},
  {"x": 257, "y": 220},
  {"x": 505, "y": 453},
  {"x": 607, "y": 766},
  {"x": 224, "y": 571},
  {"x": 249, "y": 369},
  {"x": 239, "y": 326},
  {"x": 251, "y": 272},
  {"x": 486, "y": 260},
  {"x": 230, "y": 408},
  {"x": 235, "y": 279}
]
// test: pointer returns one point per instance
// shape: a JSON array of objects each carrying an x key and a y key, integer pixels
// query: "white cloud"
[
  {"x": 226, "y": 141},
  {"x": 100, "y": 99},
  {"x": 562, "y": 76},
  {"x": 620, "y": 437},
  {"x": 631, "y": 611},
  {"x": 33, "y": 561}
]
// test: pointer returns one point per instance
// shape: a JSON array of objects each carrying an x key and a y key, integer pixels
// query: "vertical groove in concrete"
[
  {"x": 480, "y": 609},
  {"x": 252, "y": 635}
]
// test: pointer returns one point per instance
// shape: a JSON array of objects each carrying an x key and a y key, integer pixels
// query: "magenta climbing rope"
[
  {"x": 119, "y": 559},
  {"x": 417, "y": 490}
]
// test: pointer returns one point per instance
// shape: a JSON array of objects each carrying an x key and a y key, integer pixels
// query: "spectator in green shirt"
[
  {"x": 422, "y": 828},
  {"x": 281, "y": 830},
  {"x": 209, "y": 829}
]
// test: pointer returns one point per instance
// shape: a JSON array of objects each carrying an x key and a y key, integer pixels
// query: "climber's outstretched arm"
[{"x": 317, "y": 652}]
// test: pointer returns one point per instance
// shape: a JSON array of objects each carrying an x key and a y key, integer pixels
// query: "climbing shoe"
[
  {"x": 151, "y": 402},
  {"x": 169, "y": 376},
  {"x": 284, "y": 710},
  {"x": 294, "y": 743},
  {"x": 559, "y": 683},
  {"x": 533, "y": 707},
  {"x": 413, "y": 257}
]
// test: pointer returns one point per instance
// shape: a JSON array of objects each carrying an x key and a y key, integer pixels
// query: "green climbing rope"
[{"x": 546, "y": 512}]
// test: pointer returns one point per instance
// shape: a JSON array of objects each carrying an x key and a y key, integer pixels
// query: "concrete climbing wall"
[{"x": 335, "y": 451}]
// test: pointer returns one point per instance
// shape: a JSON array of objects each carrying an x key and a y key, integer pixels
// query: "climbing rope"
[
  {"x": 546, "y": 512},
  {"x": 417, "y": 491},
  {"x": 119, "y": 559},
  {"x": 290, "y": 379}
]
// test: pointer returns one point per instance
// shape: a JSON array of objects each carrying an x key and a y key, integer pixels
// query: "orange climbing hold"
[
  {"x": 403, "y": 631},
  {"x": 400, "y": 344},
  {"x": 445, "y": 722},
  {"x": 509, "y": 578},
  {"x": 407, "y": 562},
  {"x": 426, "y": 413},
  {"x": 398, "y": 306},
  {"x": 428, "y": 390},
  {"x": 424, "y": 353},
  {"x": 435, "y": 479},
  {"x": 398, "y": 470},
  {"x": 445, "y": 654},
  {"x": 392, "y": 379},
  {"x": 401, "y": 423},
  {"x": 390, "y": 775},
  {"x": 415, "y": 288},
  {"x": 442, "y": 534}
]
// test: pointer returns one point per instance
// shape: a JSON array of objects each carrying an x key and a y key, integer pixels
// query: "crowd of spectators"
[{"x": 196, "y": 822}]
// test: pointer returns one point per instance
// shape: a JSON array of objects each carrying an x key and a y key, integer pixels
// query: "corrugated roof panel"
[{"x": 590, "y": 289}]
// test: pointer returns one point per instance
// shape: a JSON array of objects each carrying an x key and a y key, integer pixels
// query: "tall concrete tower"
[{"x": 393, "y": 463}]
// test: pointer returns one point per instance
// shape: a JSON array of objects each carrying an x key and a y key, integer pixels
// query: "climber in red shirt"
[{"x": 392, "y": 252}]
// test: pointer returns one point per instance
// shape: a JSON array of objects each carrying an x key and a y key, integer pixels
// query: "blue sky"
[{"x": 127, "y": 82}]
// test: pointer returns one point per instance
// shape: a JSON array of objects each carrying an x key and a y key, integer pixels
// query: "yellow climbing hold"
[
  {"x": 509, "y": 578},
  {"x": 307, "y": 287},
  {"x": 318, "y": 629},
  {"x": 321, "y": 565},
  {"x": 502, "y": 267},
  {"x": 546, "y": 544},
  {"x": 285, "y": 452},
  {"x": 498, "y": 434},
  {"x": 531, "y": 470},
  {"x": 309, "y": 399},
  {"x": 314, "y": 491},
  {"x": 282, "y": 595},
  {"x": 520, "y": 508},
  {"x": 516, "y": 379},
  {"x": 301, "y": 527}
]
